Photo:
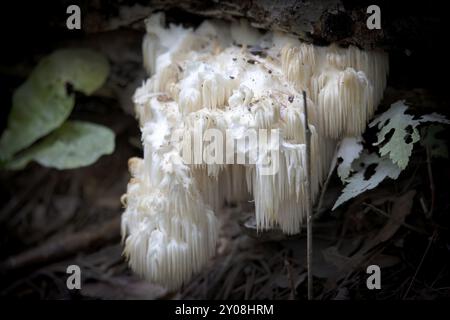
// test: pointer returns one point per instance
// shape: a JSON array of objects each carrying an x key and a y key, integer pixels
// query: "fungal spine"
[{"x": 232, "y": 78}]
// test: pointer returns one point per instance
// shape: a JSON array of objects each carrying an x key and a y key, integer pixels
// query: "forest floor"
[{"x": 51, "y": 219}]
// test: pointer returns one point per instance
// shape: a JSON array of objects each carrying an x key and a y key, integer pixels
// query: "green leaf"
[
  {"x": 85, "y": 69},
  {"x": 370, "y": 171},
  {"x": 75, "y": 144},
  {"x": 349, "y": 149},
  {"x": 41, "y": 104},
  {"x": 403, "y": 128}
]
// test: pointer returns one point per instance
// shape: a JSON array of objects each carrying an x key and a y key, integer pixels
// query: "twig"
[
  {"x": 384, "y": 214},
  {"x": 12, "y": 205},
  {"x": 317, "y": 213},
  {"x": 410, "y": 181},
  {"x": 420, "y": 263},
  {"x": 430, "y": 174},
  {"x": 424, "y": 206},
  {"x": 308, "y": 201},
  {"x": 58, "y": 248},
  {"x": 291, "y": 279}
]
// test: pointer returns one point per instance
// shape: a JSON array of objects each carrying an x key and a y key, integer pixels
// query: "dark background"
[{"x": 42, "y": 206}]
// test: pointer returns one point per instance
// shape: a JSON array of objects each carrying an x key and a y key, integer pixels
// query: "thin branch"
[
  {"x": 430, "y": 242},
  {"x": 291, "y": 278},
  {"x": 64, "y": 246},
  {"x": 308, "y": 201},
  {"x": 317, "y": 213},
  {"x": 385, "y": 214},
  {"x": 432, "y": 189}
]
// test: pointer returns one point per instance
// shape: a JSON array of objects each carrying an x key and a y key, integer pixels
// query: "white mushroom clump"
[{"x": 232, "y": 79}]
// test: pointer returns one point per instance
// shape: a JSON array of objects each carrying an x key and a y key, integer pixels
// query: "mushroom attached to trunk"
[{"x": 232, "y": 81}]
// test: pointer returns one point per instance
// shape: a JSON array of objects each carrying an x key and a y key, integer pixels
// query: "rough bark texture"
[
  {"x": 321, "y": 21},
  {"x": 412, "y": 33},
  {"x": 404, "y": 23}
]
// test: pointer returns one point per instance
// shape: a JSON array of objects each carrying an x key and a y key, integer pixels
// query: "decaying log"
[
  {"x": 412, "y": 33},
  {"x": 403, "y": 24}
]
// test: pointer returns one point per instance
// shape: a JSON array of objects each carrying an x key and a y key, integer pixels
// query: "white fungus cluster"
[{"x": 232, "y": 77}]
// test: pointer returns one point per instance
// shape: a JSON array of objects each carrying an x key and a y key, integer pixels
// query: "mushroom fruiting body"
[{"x": 233, "y": 79}]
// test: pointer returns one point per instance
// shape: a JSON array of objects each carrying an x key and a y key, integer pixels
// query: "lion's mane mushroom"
[{"x": 232, "y": 77}]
